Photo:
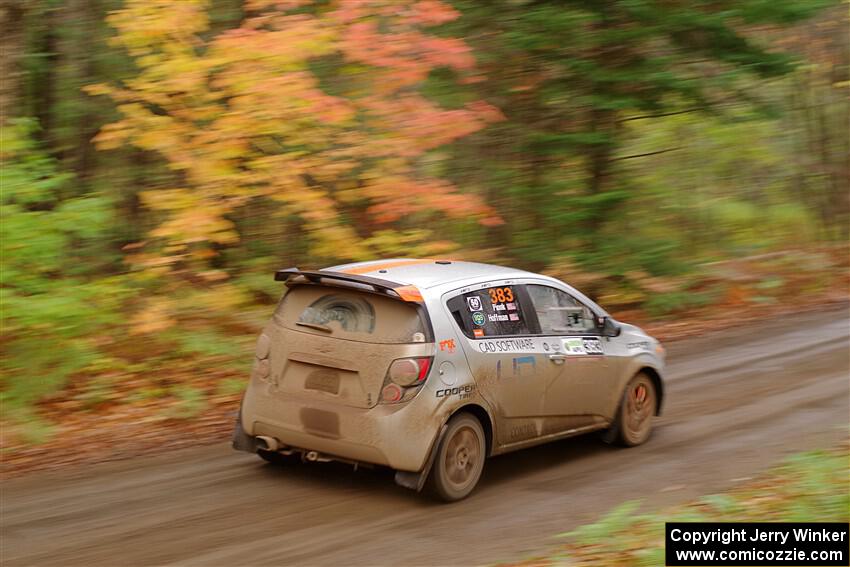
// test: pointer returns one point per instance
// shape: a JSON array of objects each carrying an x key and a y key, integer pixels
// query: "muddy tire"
[
  {"x": 633, "y": 423},
  {"x": 460, "y": 459}
]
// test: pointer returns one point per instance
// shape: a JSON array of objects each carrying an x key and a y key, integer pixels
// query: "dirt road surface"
[{"x": 737, "y": 402}]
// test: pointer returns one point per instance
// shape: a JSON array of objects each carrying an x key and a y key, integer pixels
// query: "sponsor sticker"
[
  {"x": 574, "y": 346},
  {"x": 579, "y": 346},
  {"x": 592, "y": 345},
  {"x": 462, "y": 392},
  {"x": 507, "y": 345},
  {"x": 497, "y": 317},
  {"x": 478, "y": 318},
  {"x": 478, "y": 333},
  {"x": 513, "y": 317},
  {"x": 474, "y": 303},
  {"x": 448, "y": 345}
]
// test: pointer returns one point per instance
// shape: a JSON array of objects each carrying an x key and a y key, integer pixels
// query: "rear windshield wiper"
[{"x": 317, "y": 326}]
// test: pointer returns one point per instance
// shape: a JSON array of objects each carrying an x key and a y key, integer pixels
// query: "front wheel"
[
  {"x": 633, "y": 423},
  {"x": 460, "y": 458}
]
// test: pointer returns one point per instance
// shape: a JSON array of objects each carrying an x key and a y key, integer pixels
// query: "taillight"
[
  {"x": 405, "y": 378},
  {"x": 409, "y": 371},
  {"x": 391, "y": 393}
]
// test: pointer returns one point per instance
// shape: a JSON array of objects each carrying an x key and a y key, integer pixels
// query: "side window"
[
  {"x": 491, "y": 312},
  {"x": 559, "y": 313}
]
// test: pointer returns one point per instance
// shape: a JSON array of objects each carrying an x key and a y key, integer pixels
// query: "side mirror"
[{"x": 608, "y": 327}]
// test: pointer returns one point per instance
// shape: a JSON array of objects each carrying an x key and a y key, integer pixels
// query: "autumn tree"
[{"x": 315, "y": 108}]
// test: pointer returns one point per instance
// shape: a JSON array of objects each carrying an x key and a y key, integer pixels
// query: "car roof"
[{"x": 427, "y": 272}]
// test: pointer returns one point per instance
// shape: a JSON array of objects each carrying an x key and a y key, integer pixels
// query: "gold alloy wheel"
[
  {"x": 638, "y": 409},
  {"x": 461, "y": 457}
]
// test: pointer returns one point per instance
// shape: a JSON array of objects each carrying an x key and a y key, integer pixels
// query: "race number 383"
[{"x": 501, "y": 294}]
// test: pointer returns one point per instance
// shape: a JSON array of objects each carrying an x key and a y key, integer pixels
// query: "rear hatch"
[{"x": 336, "y": 344}]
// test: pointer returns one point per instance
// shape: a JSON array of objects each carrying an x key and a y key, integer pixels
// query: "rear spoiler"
[{"x": 375, "y": 285}]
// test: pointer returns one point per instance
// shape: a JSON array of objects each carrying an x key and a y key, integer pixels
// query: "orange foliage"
[{"x": 244, "y": 115}]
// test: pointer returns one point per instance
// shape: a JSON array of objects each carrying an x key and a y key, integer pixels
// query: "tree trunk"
[
  {"x": 599, "y": 164},
  {"x": 88, "y": 14},
  {"x": 42, "y": 83},
  {"x": 11, "y": 48}
]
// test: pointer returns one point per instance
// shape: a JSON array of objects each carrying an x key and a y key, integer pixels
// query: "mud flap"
[
  {"x": 241, "y": 440},
  {"x": 416, "y": 480}
]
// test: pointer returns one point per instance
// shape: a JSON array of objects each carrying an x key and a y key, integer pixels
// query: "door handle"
[{"x": 558, "y": 358}]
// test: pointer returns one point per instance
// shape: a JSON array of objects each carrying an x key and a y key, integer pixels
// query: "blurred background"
[{"x": 160, "y": 159}]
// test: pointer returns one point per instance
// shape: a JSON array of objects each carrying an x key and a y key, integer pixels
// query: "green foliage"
[
  {"x": 807, "y": 487},
  {"x": 31, "y": 428},
  {"x": 616, "y": 521},
  {"x": 723, "y": 503},
  {"x": 597, "y": 95},
  {"x": 190, "y": 403},
  {"x": 231, "y": 386},
  {"x": 661, "y": 304},
  {"x": 225, "y": 351},
  {"x": 52, "y": 312},
  {"x": 815, "y": 475}
]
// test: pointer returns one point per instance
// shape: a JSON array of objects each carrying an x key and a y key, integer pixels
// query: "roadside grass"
[{"x": 811, "y": 486}]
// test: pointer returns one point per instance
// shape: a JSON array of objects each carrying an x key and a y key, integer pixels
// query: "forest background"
[{"x": 678, "y": 161}]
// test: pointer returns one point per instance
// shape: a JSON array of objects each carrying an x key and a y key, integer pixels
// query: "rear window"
[
  {"x": 491, "y": 312},
  {"x": 350, "y": 314}
]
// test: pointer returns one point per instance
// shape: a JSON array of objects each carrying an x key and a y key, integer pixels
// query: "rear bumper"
[{"x": 398, "y": 436}]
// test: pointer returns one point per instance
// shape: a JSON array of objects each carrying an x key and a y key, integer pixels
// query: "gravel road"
[{"x": 736, "y": 403}]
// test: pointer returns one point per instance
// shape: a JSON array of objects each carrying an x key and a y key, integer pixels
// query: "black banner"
[{"x": 757, "y": 543}]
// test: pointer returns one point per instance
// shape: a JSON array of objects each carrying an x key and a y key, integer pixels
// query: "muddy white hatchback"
[{"x": 431, "y": 366}]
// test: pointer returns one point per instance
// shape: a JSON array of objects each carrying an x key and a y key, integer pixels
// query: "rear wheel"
[
  {"x": 633, "y": 424},
  {"x": 460, "y": 458}
]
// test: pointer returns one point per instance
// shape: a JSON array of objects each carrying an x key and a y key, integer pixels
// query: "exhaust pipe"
[
  {"x": 311, "y": 456},
  {"x": 266, "y": 443}
]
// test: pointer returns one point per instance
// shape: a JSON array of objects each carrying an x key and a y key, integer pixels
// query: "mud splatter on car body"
[{"x": 372, "y": 362}]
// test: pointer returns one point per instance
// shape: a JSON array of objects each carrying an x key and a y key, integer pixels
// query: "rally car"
[{"x": 430, "y": 366}]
